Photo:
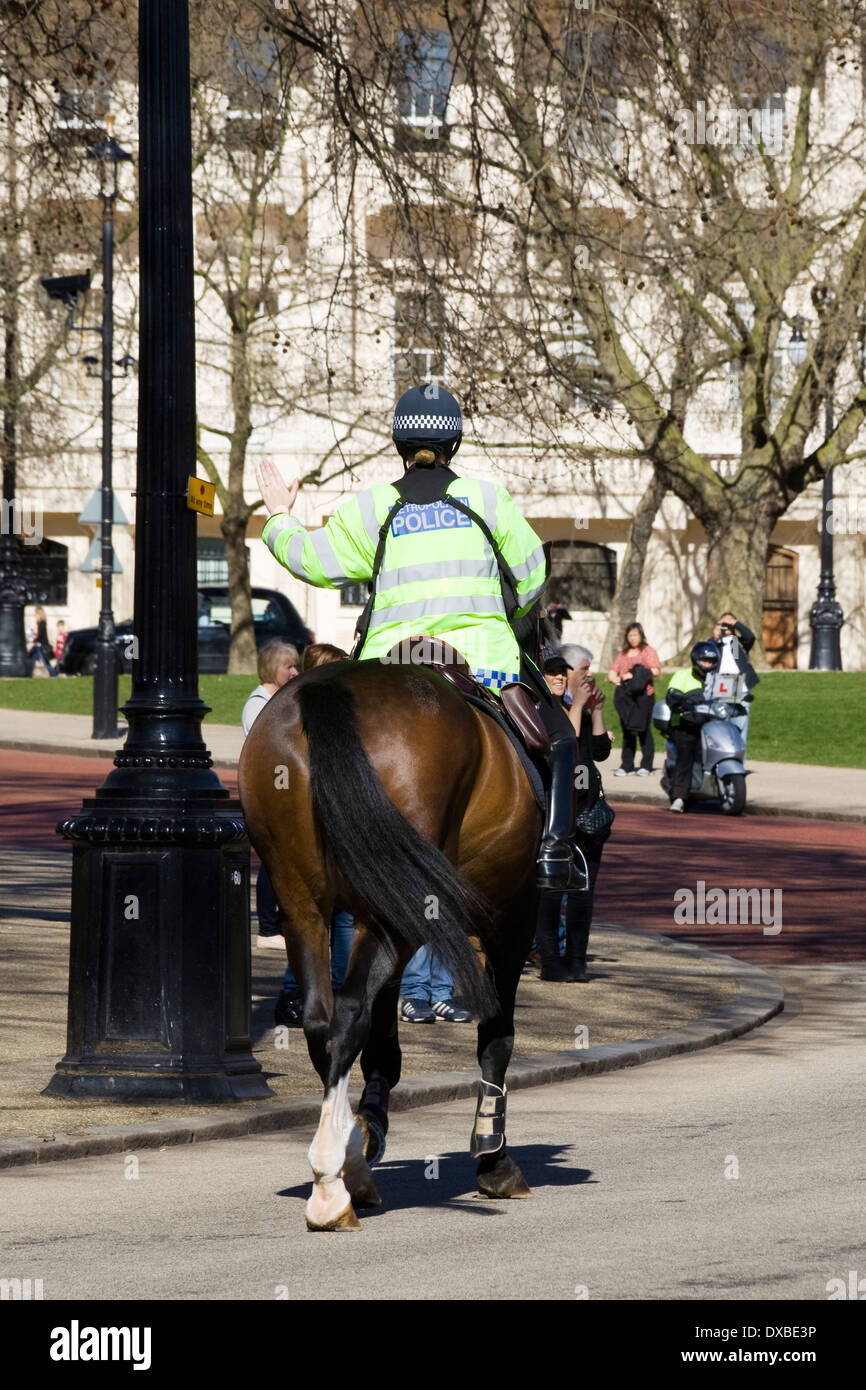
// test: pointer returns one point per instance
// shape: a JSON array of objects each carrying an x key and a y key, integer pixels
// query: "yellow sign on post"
[{"x": 200, "y": 496}]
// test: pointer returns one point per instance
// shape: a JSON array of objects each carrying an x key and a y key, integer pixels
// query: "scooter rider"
[
  {"x": 450, "y": 557},
  {"x": 684, "y": 692}
]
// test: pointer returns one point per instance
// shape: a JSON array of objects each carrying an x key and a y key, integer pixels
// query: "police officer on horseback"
[{"x": 450, "y": 557}]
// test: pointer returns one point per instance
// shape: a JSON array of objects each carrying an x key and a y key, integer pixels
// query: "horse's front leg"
[
  {"x": 342, "y": 1177},
  {"x": 498, "y": 1174}
]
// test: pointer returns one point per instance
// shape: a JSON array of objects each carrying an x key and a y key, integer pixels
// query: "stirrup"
[{"x": 563, "y": 869}]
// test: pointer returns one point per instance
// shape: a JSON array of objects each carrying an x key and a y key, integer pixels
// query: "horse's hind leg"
[
  {"x": 342, "y": 1176},
  {"x": 381, "y": 1062},
  {"x": 498, "y": 1174}
]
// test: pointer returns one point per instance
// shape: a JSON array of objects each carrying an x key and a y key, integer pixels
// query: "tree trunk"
[
  {"x": 623, "y": 608},
  {"x": 242, "y": 652},
  {"x": 736, "y": 570}
]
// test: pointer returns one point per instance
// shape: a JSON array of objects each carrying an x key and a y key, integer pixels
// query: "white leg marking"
[{"x": 327, "y": 1155}]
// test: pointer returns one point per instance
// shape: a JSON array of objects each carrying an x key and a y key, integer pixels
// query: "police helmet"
[
  {"x": 427, "y": 417},
  {"x": 705, "y": 651}
]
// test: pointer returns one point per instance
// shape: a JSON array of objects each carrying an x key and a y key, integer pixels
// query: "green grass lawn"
[
  {"x": 797, "y": 716},
  {"x": 225, "y": 695}
]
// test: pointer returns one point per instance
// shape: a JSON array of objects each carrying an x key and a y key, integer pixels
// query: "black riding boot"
[{"x": 561, "y": 865}]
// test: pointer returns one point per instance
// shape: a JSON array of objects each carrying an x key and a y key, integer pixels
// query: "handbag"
[{"x": 596, "y": 819}]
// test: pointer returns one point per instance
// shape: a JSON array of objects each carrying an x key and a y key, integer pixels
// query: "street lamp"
[
  {"x": 110, "y": 155},
  {"x": 159, "y": 974},
  {"x": 825, "y": 617}
]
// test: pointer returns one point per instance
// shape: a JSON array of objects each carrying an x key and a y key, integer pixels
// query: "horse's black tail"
[{"x": 410, "y": 891}]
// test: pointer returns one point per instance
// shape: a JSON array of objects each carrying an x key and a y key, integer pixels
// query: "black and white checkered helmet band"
[{"x": 445, "y": 423}]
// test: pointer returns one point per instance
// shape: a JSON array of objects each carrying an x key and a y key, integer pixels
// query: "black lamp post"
[
  {"x": 109, "y": 154},
  {"x": 159, "y": 991},
  {"x": 825, "y": 617}
]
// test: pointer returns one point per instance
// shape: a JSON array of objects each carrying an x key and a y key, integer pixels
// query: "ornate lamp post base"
[
  {"x": 159, "y": 1004},
  {"x": 825, "y": 620}
]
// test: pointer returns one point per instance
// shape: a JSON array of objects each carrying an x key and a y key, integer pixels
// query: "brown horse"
[{"x": 378, "y": 789}]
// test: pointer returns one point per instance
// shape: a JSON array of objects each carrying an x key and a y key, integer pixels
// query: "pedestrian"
[
  {"x": 40, "y": 650},
  {"x": 278, "y": 662},
  {"x": 289, "y": 1010},
  {"x": 592, "y": 827},
  {"x": 686, "y": 690},
  {"x": 321, "y": 654},
  {"x": 635, "y": 664},
  {"x": 59, "y": 641},
  {"x": 428, "y": 991}
]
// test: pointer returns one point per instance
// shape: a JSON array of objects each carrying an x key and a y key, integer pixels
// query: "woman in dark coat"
[
  {"x": 41, "y": 648},
  {"x": 594, "y": 818}
]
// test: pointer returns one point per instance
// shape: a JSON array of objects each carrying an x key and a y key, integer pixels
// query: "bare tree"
[
  {"x": 275, "y": 305},
  {"x": 630, "y": 211}
]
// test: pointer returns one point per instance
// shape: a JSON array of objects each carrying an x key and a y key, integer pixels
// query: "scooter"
[{"x": 719, "y": 772}]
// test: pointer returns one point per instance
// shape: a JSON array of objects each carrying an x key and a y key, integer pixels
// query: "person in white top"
[
  {"x": 278, "y": 662},
  {"x": 735, "y": 640}
]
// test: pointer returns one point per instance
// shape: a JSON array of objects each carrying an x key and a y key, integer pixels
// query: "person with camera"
[{"x": 734, "y": 641}]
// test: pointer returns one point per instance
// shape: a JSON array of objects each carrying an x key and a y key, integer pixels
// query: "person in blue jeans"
[
  {"x": 427, "y": 991},
  {"x": 290, "y": 1006}
]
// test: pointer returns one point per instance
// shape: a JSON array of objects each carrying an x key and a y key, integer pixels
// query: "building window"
[
  {"x": 212, "y": 566},
  {"x": 354, "y": 595},
  {"x": 570, "y": 343},
  {"x": 422, "y": 92},
  {"x": 253, "y": 86},
  {"x": 582, "y": 575},
  {"x": 45, "y": 570},
  {"x": 419, "y": 334}
]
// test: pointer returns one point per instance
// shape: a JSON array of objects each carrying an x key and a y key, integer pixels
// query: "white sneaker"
[
  {"x": 623, "y": 772},
  {"x": 677, "y": 804},
  {"x": 644, "y": 772},
  {"x": 271, "y": 943}
]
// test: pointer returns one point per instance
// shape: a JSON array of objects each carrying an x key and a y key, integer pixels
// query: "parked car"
[{"x": 273, "y": 616}]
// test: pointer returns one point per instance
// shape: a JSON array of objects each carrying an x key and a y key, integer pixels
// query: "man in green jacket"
[
  {"x": 686, "y": 690},
  {"x": 438, "y": 574}
]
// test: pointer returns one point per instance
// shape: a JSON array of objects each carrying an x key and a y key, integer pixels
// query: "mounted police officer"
[{"x": 449, "y": 557}]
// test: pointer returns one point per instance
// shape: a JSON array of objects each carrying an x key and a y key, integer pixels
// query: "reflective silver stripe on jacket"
[
  {"x": 438, "y": 569},
  {"x": 367, "y": 508},
  {"x": 526, "y": 567},
  {"x": 278, "y": 529},
  {"x": 458, "y": 605},
  {"x": 490, "y": 504},
  {"x": 326, "y": 557}
]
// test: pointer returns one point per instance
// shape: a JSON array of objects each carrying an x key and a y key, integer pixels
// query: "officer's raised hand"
[{"x": 277, "y": 495}]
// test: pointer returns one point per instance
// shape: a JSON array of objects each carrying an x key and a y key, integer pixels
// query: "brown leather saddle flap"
[{"x": 520, "y": 705}]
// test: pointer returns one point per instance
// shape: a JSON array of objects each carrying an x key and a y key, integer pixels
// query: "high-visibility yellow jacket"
[{"x": 439, "y": 575}]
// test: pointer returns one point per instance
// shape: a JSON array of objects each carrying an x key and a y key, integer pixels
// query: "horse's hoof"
[
  {"x": 504, "y": 1180},
  {"x": 366, "y": 1196},
  {"x": 373, "y": 1136},
  {"x": 345, "y": 1221}
]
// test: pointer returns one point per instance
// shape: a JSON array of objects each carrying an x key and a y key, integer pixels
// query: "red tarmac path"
[{"x": 820, "y": 866}]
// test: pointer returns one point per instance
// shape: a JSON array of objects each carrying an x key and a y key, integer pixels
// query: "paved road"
[
  {"x": 632, "y": 1197},
  {"x": 819, "y": 867}
]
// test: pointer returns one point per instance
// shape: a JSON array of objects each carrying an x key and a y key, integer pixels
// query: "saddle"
[{"x": 518, "y": 702}]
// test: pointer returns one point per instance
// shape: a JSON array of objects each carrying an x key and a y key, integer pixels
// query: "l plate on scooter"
[{"x": 731, "y": 688}]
